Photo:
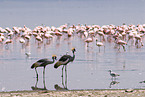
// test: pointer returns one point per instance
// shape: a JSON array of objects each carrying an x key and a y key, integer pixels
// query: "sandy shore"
[{"x": 77, "y": 93}]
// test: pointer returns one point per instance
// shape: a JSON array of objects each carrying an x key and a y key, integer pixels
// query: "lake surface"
[
  {"x": 90, "y": 67},
  {"x": 58, "y": 12}
]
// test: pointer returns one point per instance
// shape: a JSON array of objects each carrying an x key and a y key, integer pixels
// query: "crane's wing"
[
  {"x": 43, "y": 60},
  {"x": 64, "y": 58}
]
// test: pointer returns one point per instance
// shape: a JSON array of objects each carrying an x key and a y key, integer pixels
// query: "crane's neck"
[
  {"x": 73, "y": 56},
  {"x": 53, "y": 60}
]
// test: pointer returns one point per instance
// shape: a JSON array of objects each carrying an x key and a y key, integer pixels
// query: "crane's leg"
[
  {"x": 36, "y": 83},
  {"x": 65, "y": 76},
  {"x": 44, "y": 79},
  {"x": 62, "y": 71},
  {"x": 36, "y": 73},
  {"x": 44, "y": 73},
  {"x": 62, "y": 75}
]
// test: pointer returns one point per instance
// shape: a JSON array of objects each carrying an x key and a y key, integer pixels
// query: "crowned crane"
[
  {"x": 113, "y": 74},
  {"x": 64, "y": 60},
  {"x": 43, "y": 63}
]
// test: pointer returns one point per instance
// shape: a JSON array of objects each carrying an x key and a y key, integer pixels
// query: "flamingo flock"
[{"x": 119, "y": 35}]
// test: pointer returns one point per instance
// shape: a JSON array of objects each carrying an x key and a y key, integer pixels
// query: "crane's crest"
[
  {"x": 53, "y": 55},
  {"x": 72, "y": 48}
]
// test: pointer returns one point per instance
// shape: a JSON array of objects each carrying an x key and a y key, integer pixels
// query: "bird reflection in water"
[
  {"x": 142, "y": 82},
  {"x": 64, "y": 85},
  {"x": 113, "y": 82}
]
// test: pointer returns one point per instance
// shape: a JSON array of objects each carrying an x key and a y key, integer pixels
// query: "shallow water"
[
  {"x": 88, "y": 71},
  {"x": 90, "y": 67}
]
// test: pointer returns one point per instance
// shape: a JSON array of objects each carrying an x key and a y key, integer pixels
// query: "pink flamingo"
[
  {"x": 122, "y": 43},
  {"x": 7, "y": 41},
  {"x": 88, "y": 40},
  {"x": 99, "y": 44}
]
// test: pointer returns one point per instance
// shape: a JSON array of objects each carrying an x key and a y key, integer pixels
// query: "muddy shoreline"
[{"x": 76, "y": 93}]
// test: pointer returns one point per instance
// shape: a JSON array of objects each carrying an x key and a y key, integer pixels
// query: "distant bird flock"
[{"x": 119, "y": 35}]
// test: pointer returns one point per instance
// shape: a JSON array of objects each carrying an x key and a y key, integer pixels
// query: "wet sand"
[{"x": 77, "y": 93}]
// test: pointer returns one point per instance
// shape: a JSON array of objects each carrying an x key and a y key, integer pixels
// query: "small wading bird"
[
  {"x": 43, "y": 63},
  {"x": 113, "y": 74}
]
